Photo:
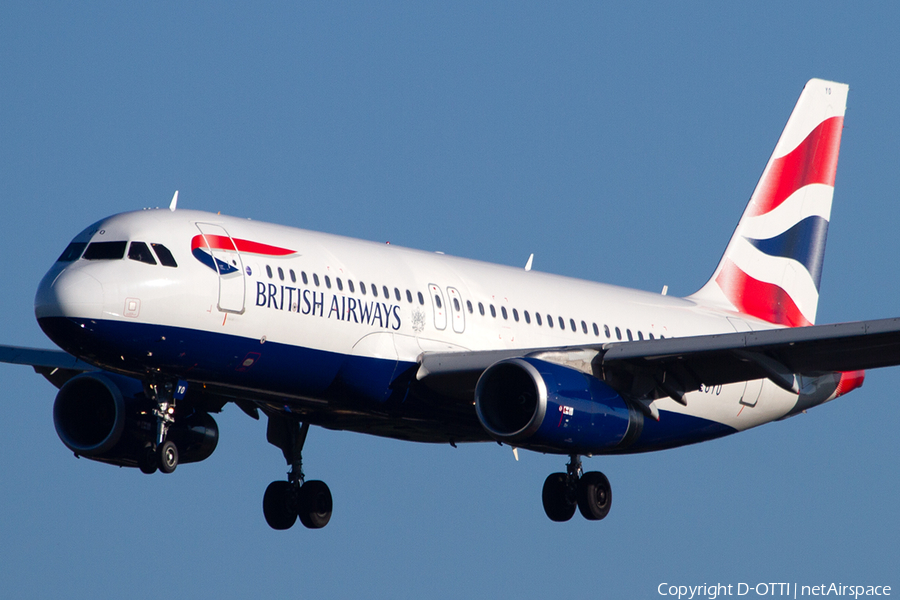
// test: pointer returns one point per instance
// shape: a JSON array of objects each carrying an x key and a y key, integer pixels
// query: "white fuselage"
[{"x": 310, "y": 296}]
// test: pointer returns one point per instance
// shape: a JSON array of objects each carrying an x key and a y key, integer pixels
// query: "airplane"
[{"x": 164, "y": 316}]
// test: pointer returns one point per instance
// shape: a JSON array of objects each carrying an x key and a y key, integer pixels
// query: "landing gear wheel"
[
  {"x": 594, "y": 496},
  {"x": 279, "y": 505},
  {"x": 314, "y": 504},
  {"x": 147, "y": 462},
  {"x": 559, "y": 503},
  {"x": 167, "y": 453}
]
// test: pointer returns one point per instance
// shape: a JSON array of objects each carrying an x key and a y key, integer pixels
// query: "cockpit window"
[
  {"x": 105, "y": 251},
  {"x": 72, "y": 252},
  {"x": 140, "y": 252},
  {"x": 165, "y": 257}
]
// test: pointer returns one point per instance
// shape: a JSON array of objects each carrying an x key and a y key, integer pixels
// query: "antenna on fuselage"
[{"x": 174, "y": 202}]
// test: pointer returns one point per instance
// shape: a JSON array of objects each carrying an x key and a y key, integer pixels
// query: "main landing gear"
[
  {"x": 285, "y": 501},
  {"x": 564, "y": 491},
  {"x": 161, "y": 453}
]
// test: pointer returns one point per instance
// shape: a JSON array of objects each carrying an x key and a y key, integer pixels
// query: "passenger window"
[
  {"x": 269, "y": 271},
  {"x": 628, "y": 333},
  {"x": 397, "y": 294},
  {"x": 362, "y": 288},
  {"x": 350, "y": 285},
  {"x": 72, "y": 252},
  {"x": 140, "y": 252},
  {"x": 562, "y": 323},
  {"x": 549, "y": 321},
  {"x": 606, "y": 331},
  {"x": 339, "y": 283},
  {"x": 651, "y": 335},
  {"x": 280, "y": 273},
  {"x": 105, "y": 251},
  {"x": 387, "y": 293},
  {"x": 515, "y": 315},
  {"x": 584, "y": 327},
  {"x": 596, "y": 330},
  {"x": 437, "y": 301},
  {"x": 493, "y": 311},
  {"x": 316, "y": 279},
  {"x": 293, "y": 276},
  {"x": 374, "y": 290},
  {"x": 303, "y": 277},
  {"x": 456, "y": 305},
  {"x": 572, "y": 324},
  {"x": 481, "y": 308},
  {"x": 503, "y": 312},
  {"x": 328, "y": 282},
  {"x": 527, "y": 317},
  {"x": 421, "y": 298},
  {"x": 640, "y": 336},
  {"x": 469, "y": 306},
  {"x": 409, "y": 296},
  {"x": 618, "y": 334},
  {"x": 165, "y": 257},
  {"x": 537, "y": 317}
]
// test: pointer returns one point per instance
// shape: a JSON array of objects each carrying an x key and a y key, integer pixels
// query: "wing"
[
  {"x": 675, "y": 366},
  {"x": 57, "y": 366}
]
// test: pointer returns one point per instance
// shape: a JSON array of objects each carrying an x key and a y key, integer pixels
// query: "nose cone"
[{"x": 69, "y": 292}]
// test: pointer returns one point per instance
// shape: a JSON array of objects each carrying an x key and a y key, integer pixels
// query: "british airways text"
[{"x": 340, "y": 307}]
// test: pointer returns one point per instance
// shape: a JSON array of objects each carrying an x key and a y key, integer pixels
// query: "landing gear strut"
[
  {"x": 590, "y": 492},
  {"x": 285, "y": 501},
  {"x": 161, "y": 453}
]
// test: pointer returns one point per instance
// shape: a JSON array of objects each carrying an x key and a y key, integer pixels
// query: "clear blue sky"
[{"x": 616, "y": 144}]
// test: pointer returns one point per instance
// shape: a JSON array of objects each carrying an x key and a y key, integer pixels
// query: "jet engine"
[
  {"x": 534, "y": 404},
  {"x": 108, "y": 418}
]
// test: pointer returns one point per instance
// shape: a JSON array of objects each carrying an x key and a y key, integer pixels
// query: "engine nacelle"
[
  {"x": 542, "y": 406},
  {"x": 107, "y": 417}
]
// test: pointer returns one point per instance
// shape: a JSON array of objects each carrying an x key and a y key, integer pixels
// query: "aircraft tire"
[
  {"x": 594, "y": 495},
  {"x": 278, "y": 505},
  {"x": 167, "y": 454},
  {"x": 315, "y": 504},
  {"x": 147, "y": 461},
  {"x": 555, "y": 496}
]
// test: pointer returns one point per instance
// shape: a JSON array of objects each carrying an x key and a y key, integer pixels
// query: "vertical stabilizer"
[{"x": 772, "y": 266}]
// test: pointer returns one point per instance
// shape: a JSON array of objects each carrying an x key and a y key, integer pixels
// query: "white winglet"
[
  {"x": 516, "y": 453},
  {"x": 174, "y": 202},
  {"x": 530, "y": 260}
]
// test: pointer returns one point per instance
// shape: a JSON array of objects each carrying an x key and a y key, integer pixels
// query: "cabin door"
[{"x": 227, "y": 261}]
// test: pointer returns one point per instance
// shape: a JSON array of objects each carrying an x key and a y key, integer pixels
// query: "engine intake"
[{"x": 547, "y": 407}]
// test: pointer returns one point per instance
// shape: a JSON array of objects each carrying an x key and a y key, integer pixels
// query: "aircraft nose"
[{"x": 68, "y": 293}]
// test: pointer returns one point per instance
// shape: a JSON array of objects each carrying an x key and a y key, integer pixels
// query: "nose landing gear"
[
  {"x": 161, "y": 454},
  {"x": 286, "y": 501},
  {"x": 590, "y": 492}
]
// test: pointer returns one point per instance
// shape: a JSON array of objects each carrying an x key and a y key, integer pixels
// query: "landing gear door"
[{"x": 224, "y": 257}]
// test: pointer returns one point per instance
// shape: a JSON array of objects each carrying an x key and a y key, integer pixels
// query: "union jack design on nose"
[{"x": 772, "y": 266}]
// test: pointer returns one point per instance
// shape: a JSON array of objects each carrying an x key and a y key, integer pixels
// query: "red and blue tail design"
[{"x": 772, "y": 266}]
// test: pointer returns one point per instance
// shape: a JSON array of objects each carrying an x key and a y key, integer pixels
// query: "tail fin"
[{"x": 773, "y": 264}]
